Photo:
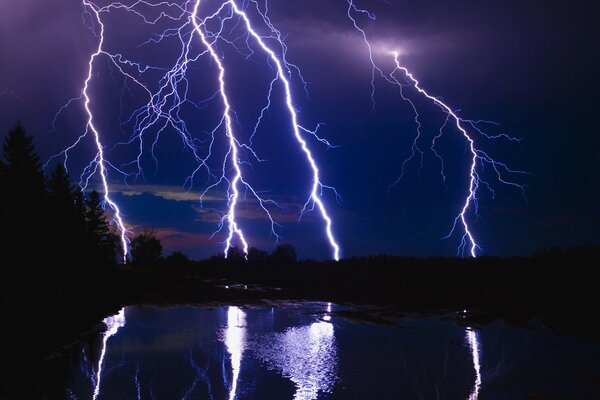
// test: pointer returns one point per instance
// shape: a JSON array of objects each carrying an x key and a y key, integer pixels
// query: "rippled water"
[{"x": 308, "y": 351}]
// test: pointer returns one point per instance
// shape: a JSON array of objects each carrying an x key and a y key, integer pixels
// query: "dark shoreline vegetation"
[{"x": 61, "y": 277}]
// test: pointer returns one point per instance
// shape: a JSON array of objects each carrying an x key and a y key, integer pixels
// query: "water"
[{"x": 306, "y": 351}]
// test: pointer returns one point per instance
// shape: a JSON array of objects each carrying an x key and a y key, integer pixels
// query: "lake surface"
[{"x": 310, "y": 350}]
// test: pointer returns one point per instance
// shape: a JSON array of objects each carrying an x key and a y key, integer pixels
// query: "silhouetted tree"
[
  {"x": 217, "y": 258},
  {"x": 23, "y": 211},
  {"x": 146, "y": 249},
  {"x": 285, "y": 253},
  {"x": 59, "y": 184},
  {"x": 44, "y": 228},
  {"x": 102, "y": 239},
  {"x": 176, "y": 259},
  {"x": 235, "y": 254},
  {"x": 68, "y": 241},
  {"x": 80, "y": 210},
  {"x": 2, "y": 184},
  {"x": 256, "y": 254}
]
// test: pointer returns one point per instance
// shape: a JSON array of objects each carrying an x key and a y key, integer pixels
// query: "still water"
[{"x": 306, "y": 351}]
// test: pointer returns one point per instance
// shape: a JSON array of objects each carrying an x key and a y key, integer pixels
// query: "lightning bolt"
[
  {"x": 137, "y": 382},
  {"x": 164, "y": 108},
  {"x": 472, "y": 339},
  {"x": 113, "y": 324},
  {"x": 233, "y": 196},
  {"x": 99, "y": 160},
  {"x": 468, "y": 238},
  {"x": 477, "y": 157},
  {"x": 234, "y": 337},
  {"x": 317, "y": 186},
  {"x": 201, "y": 375},
  {"x": 99, "y": 164}
]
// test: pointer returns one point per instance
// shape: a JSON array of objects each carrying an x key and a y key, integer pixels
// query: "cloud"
[
  {"x": 173, "y": 193},
  {"x": 286, "y": 211},
  {"x": 330, "y": 29}
]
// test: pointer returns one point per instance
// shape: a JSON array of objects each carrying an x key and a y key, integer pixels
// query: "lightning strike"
[
  {"x": 164, "y": 108},
  {"x": 234, "y": 337},
  {"x": 477, "y": 157},
  {"x": 113, "y": 324},
  {"x": 233, "y": 143},
  {"x": 468, "y": 238},
  {"x": 317, "y": 187},
  {"x": 137, "y": 382},
  {"x": 474, "y": 347},
  {"x": 99, "y": 160}
]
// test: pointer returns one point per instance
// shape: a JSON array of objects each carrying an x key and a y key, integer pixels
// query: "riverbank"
[{"x": 556, "y": 291}]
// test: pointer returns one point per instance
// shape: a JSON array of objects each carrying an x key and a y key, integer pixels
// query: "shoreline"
[{"x": 516, "y": 291}]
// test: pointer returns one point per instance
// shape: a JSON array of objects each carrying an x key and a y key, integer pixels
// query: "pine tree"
[
  {"x": 2, "y": 185},
  {"x": 69, "y": 242},
  {"x": 23, "y": 207},
  {"x": 61, "y": 192},
  {"x": 80, "y": 211},
  {"x": 103, "y": 241}
]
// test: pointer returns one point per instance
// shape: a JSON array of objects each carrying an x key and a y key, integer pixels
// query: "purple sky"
[{"x": 530, "y": 66}]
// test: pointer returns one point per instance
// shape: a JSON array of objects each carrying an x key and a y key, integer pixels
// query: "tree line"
[
  {"x": 45, "y": 220},
  {"x": 48, "y": 221}
]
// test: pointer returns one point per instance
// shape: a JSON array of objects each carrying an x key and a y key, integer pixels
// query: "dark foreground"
[{"x": 46, "y": 317}]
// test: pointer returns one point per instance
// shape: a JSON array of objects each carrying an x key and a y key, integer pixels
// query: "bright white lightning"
[
  {"x": 201, "y": 375},
  {"x": 473, "y": 342},
  {"x": 317, "y": 186},
  {"x": 163, "y": 110},
  {"x": 307, "y": 355},
  {"x": 235, "y": 341},
  {"x": 477, "y": 156},
  {"x": 233, "y": 146},
  {"x": 99, "y": 160},
  {"x": 113, "y": 324},
  {"x": 473, "y": 178}
]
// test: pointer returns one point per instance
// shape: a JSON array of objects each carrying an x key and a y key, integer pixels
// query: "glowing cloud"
[{"x": 113, "y": 324}]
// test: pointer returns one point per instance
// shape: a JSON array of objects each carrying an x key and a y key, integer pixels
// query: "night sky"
[{"x": 531, "y": 66}]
